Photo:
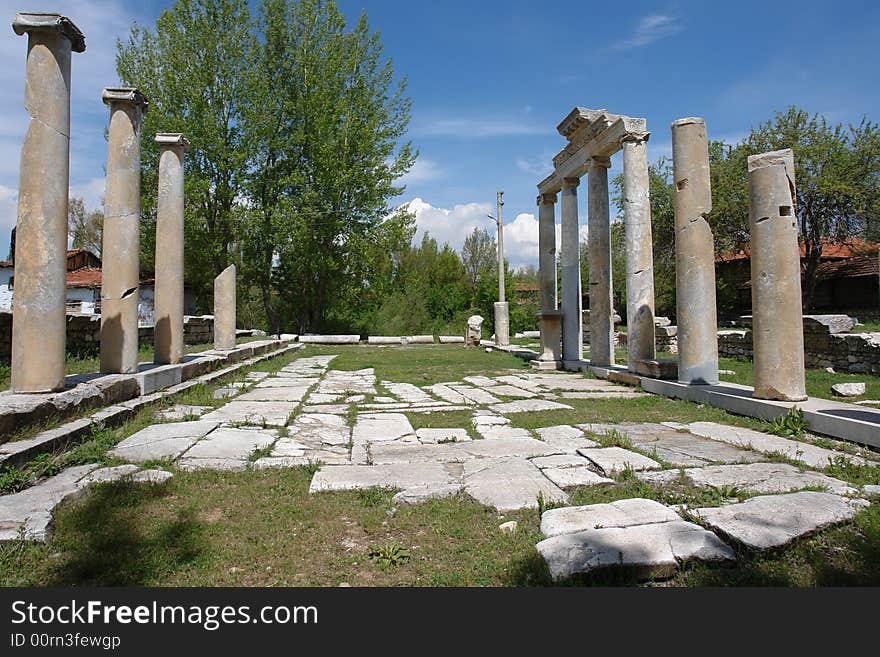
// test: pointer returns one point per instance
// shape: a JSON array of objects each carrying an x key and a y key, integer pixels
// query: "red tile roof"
[
  {"x": 89, "y": 277},
  {"x": 836, "y": 269},
  {"x": 831, "y": 250}
]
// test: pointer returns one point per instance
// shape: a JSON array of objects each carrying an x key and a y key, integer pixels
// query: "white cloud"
[
  {"x": 92, "y": 192},
  {"x": 540, "y": 167},
  {"x": 423, "y": 170},
  {"x": 650, "y": 28},
  {"x": 479, "y": 128},
  {"x": 452, "y": 225}
]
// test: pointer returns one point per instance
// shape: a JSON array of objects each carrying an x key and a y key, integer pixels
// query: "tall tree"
[
  {"x": 837, "y": 173},
  {"x": 194, "y": 68},
  {"x": 478, "y": 254},
  {"x": 85, "y": 228},
  {"x": 328, "y": 139}
]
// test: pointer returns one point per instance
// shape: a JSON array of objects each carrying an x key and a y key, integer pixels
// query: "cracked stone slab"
[
  {"x": 392, "y": 475},
  {"x": 480, "y": 381},
  {"x": 629, "y": 394},
  {"x": 407, "y": 392},
  {"x": 396, "y": 452},
  {"x": 285, "y": 382},
  {"x": 771, "y": 521},
  {"x": 512, "y": 391},
  {"x": 380, "y": 427},
  {"x": 560, "y": 461},
  {"x": 622, "y": 513},
  {"x": 321, "y": 398},
  {"x": 446, "y": 393},
  {"x": 565, "y": 438},
  {"x": 616, "y": 459},
  {"x": 162, "y": 441},
  {"x": 687, "y": 450},
  {"x": 282, "y": 394},
  {"x": 225, "y": 444},
  {"x": 321, "y": 429},
  {"x": 575, "y": 383},
  {"x": 493, "y": 432},
  {"x": 442, "y": 435},
  {"x": 528, "y": 406},
  {"x": 655, "y": 550},
  {"x": 753, "y": 478},
  {"x": 521, "y": 382},
  {"x": 311, "y": 458},
  {"x": 504, "y": 447},
  {"x": 812, "y": 455},
  {"x": 509, "y": 484},
  {"x": 182, "y": 411},
  {"x": 333, "y": 409},
  {"x": 578, "y": 476},
  {"x": 476, "y": 395},
  {"x": 486, "y": 419},
  {"x": 253, "y": 412}
]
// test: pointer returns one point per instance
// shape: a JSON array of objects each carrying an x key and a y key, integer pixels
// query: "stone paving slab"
[
  {"x": 616, "y": 459},
  {"x": 655, "y": 550},
  {"x": 529, "y": 406},
  {"x": 407, "y": 392},
  {"x": 225, "y": 449},
  {"x": 812, "y": 455},
  {"x": 335, "y": 409},
  {"x": 502, "y": 447},
  {"x": 320, "y": 429},
  {"x": 375, "y": 427},
  {"x": 485, "y": 418},
  {"x": 565, "y": 438},
  {"x": 521, "y": 382},
  {"x": 494, "y": 431},
  {"x": 286, "y": 382},
  {"x": 446, "y": 393},
  {"x": 162, "y": 441},
  {"x": 753, "y": 478},
  {"x": 770, "y": 521},
  {"x": 476, "y": 395},
  {"x": 578, "y": 476},
  {"x": 622, "y": 513},
  {"x": 183, "y": 411},
  {"x": 508, "y": 483},
  {"x": 253, "y": 412},
  {"x": 560, "y": 461},
  {"x": 442, "y": 435},
  {"x": 602, "y": 394},
  {"x": 287, "y": 393},
  {"x": 28, "y": 513},
  {"x": 511, "y": 391},
  {"x": 396, "y": 452},
  {"x": 480, "y": 381},
  {"x": 393, "y": 475},
  {"x": 313, "y": 457}
]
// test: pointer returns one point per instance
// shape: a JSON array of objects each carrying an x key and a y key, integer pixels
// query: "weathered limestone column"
[
  {"x": 502, "y": 324},
  {"x": 547, "y": 250},
  {"x": 120, "y": 252},
  {"x": 572, "y": 340},
  {"x": 601, "y": 285},
  {"x": 38, "y": 309},
  {"x": 639, "y": 251},
  {"x": 694, "y": 254},
  {"x": 224, "y": 310},
  {"x": 777, "y": 318},
  {"x": 168, "y": 306}
]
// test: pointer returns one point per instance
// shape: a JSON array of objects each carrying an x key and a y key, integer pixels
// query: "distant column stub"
[{"x": 27, "y": 21}]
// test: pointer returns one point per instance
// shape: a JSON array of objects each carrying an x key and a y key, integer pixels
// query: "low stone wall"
[
  {"x": 84, "y": 333},
  {"x": 827, "y": 343}
]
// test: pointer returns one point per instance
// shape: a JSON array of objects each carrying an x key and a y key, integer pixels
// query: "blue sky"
[{"x": 491, "y": 80}]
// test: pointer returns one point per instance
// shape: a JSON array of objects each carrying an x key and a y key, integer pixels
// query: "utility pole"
[{"x": 502, "y": 315}]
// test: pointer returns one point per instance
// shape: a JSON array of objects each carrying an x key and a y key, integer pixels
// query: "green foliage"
[
  {"x": 13, "y": 480},
  {"x": 389, "y": 554},
  {"x": 792, "y": 424}
]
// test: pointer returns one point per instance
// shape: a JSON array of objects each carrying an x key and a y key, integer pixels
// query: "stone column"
[
  {"x": 694, "y": 254},
  {"x": 502, "y": 324},
  {"x": 224, "y": 310},
  {"x": 168, "y": 310},
  {"x": 120, "y": 253},
  {"x": 601, "y": 285},
  {"x": 39, "y": 322},
  {"x": 639, "y": 251},
  {"x": 777, "y": 318},
  {"x": 572, "y": 338},
  {"x": 547, "y": 250}
]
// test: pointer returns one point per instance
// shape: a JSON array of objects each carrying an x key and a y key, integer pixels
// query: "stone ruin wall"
[{"x": 84, "y": 332}]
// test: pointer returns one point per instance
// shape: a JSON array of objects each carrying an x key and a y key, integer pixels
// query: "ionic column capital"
[
  {"x": 600, "y": 162},
  {"x": 125, "y": 96},
  {"x": 172, "y": 140},
  {"x": 26, "y": 22},
  {"x": 544, "y": 199},
  {"x": 635, "y": 138},
  {"x": 570, "y": 183}
]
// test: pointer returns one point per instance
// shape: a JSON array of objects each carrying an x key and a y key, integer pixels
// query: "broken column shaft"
[
  {"x": 777, "y": 318},
  {"x": 694, "y": 254},
  {"x": 39, "y": 322}
]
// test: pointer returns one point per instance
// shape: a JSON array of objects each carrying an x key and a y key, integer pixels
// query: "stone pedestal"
[
  {"x": 551, "y": 334},
  {"x": 572, "y": 348},
  {"x": 639, "y": 252},
  {"x": 474, "y": 332},
  {"x": 168, "y": 308},
  {"x": 601, "y": 285},
  {"x": 777, "y": 321},
  {"x": 120, "y": 253},
  {"x": 38, "y": 309},
  {"x": 694, "y": 254},
  {"x": 502, "y": 324},
  {"x": 224, "y": 310}
]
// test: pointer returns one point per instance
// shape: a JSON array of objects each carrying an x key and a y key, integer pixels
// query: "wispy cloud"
[
  {"x": 424, "y": 170},
  {"x": 650, "y": 28},
  {"x": 480, "y": 128}
]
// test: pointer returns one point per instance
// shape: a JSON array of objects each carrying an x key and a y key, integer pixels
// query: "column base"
[{"x": 546, "y": 364}]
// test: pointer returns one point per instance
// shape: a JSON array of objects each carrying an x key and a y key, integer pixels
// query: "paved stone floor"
[{"x": 302, "y": 415}]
